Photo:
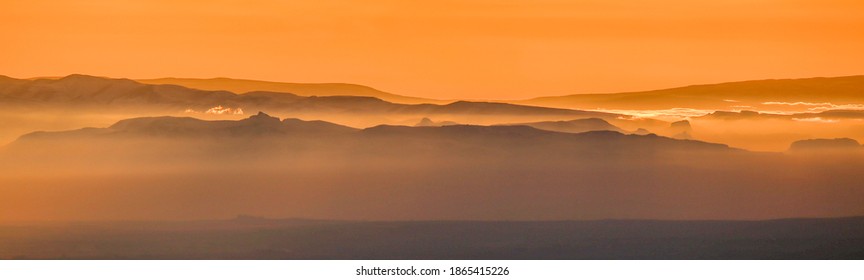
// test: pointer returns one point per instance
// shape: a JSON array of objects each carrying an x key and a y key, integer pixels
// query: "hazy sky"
[{"x": 439, "y": 48}]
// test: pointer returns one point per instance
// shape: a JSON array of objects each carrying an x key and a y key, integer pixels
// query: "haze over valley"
[{"x": 168, "y": 152}]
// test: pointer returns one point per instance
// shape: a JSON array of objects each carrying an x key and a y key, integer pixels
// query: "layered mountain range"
[
  {"x": 123, "y": 94},
  {"x": 185, "y": 168},
  {"x": 116, "y": 149}
]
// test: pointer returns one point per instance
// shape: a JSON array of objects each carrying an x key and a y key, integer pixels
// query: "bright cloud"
[
  {"x": 674, "y": 113},
  {"x": 819, "y": 106},
  {"x": 218, "y": 110},
  {"x": 816, "y": 119}
]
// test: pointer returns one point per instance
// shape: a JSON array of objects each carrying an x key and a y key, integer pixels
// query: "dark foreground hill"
[{"x": 256, "y": 238}]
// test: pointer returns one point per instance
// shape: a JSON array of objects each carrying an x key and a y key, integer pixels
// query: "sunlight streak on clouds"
[{"x": 218, "y": 110}]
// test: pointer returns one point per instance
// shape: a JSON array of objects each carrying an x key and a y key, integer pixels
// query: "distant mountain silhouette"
[
  {"x": 123, "y": 94},
  {"x": 541, "y": 168},
  {"x": 263, "y": 124},
  {"x": 835, "y": 90},
  {"x": 681, "y": 130},
  {"x": 429, "y": 122},
  {"x": 257, "y": 125},
  {"x": 642, "y": 131},
  {"x": 6, "y": 82},
  {"x": 574, "y": 126},
  {"x": 83, "y": 90},
  {"x": 301, "y": 89},
  {"x": 183, "y": 168},
  {"x": 837, "y": 144},
  {"x": 524, "y": 141}
]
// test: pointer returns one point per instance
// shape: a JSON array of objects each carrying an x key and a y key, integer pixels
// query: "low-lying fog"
[{"x": 170, "y": 170}]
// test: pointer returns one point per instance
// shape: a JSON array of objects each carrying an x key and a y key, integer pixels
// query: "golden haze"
[{"x": 438, "y": 49}]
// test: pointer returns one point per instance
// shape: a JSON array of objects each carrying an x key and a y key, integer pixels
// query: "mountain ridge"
[
  {"x": 718, "y": 96},
  {"x": 264, "y": 124},
  {"x": 242, "y": 86},
  {"x": 104, "y": 93},
  {"x": 573, "y": 126}
]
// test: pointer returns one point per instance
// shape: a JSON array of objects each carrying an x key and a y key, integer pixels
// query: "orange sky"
[{"x": 440, "y": 48}]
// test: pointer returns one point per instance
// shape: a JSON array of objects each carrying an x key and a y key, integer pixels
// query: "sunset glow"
[
  {"x": 469, "y": 129},
  {"x": 475, "y": 49}
]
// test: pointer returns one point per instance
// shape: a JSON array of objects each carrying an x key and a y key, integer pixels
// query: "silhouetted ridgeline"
[
  {"x": 77, "y": 101},
  {"x": 837, "y": 145},
  {"x": 759, "y": 94},
  {"x": 302, "y": 89},
  {"x": 183, "y": 168},
  {"x": 574, "y": 126},
  {"x": 124, "y": 94}
]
